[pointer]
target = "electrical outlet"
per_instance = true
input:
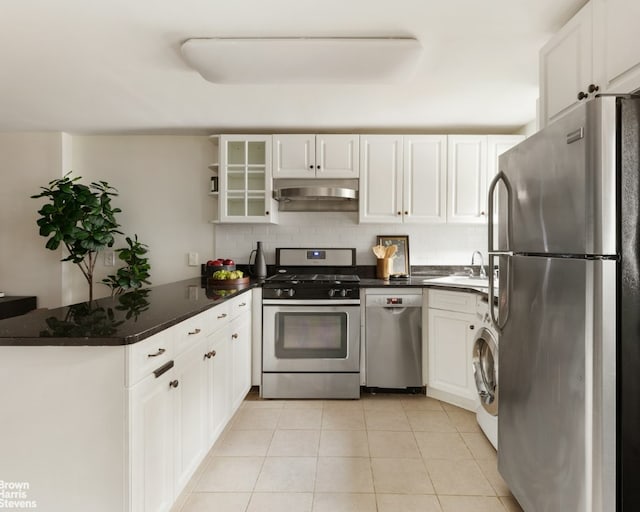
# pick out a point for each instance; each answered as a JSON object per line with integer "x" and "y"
{"x": 193, "y": 259}
{"x": 109, "y": 259}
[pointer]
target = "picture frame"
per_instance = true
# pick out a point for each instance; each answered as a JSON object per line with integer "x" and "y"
{"x": 401, "y": 263}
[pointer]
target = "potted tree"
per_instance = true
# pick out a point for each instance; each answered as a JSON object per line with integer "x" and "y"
{"x": 135, "y": 273}
{"x": 80, "y": 218}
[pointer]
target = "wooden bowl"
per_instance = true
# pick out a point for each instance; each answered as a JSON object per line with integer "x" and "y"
{"x": 228, "y": 283}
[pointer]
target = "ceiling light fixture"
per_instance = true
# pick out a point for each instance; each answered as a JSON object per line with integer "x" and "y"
{"x": 303, "y": 60}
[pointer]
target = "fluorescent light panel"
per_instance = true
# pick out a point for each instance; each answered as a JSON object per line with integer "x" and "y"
{"x": 303, "y": 60}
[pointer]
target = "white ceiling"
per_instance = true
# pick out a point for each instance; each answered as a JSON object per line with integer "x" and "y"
{"x": 114, "y": 66}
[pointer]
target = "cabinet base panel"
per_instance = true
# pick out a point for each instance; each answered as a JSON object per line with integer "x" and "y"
{"x": 450, "y": 398}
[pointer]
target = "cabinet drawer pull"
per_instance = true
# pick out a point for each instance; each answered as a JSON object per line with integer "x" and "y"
{"x": 195, "y": 331}
{"x": 213, "y": 353}
{"x": 242, "y": 305}
{"x": 209, "y": 355}
{"x": 234, "y": 336}
{"x": 223, "y": 315}
{"x": 174, "y": 383}
{"x": 163, "y": 369}
{"x": 158, "y": 353}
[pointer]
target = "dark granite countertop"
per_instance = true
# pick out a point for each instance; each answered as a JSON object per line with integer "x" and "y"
{"x": 120, "y": 320}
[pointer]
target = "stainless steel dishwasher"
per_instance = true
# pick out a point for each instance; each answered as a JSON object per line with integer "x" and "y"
{"x": 393, "y": 337}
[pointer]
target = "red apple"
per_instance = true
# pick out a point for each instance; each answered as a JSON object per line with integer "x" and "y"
{"x": 210, "y": 263}
{"x": 217, "y": 263}
{"x": 229, "y": 262}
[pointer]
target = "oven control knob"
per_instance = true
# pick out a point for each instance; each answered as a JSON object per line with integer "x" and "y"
{"x": 343, "y": 293}
{"x": 332, "y": 292}
{"x": 278, "y": 292}
{"x": 291, "y": 292}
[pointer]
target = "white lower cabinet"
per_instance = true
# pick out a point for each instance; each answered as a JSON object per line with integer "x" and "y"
{"x": 219, "y": 373}
{"x": 451, "y": 333}
{"x": 240, "y": 333}
{"x": 151, "y": 434}
{"x": 178, "y": 415}
{"x": 189, "y": 412}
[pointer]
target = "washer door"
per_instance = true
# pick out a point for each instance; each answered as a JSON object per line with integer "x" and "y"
{"x": 485, "y": 369}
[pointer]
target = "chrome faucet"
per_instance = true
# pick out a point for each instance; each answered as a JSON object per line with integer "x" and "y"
{"x": 483, "y": 273}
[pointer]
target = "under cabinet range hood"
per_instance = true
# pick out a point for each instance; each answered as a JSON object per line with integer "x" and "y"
{"x": 316, "y": 195}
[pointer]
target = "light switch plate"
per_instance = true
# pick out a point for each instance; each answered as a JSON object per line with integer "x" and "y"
{"x": 109, "y": 259}
{"x": 193, "y": 259}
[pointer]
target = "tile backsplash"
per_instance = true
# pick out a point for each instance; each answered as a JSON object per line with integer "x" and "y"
{"x": 446, "y": 244}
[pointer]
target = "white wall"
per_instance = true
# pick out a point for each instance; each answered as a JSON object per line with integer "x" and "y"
{"x": 28, "y": 161}
{"x": 428, "y": 244}
{"x": 163, "y": 183}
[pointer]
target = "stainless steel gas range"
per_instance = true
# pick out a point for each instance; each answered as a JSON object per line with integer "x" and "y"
{"x": 311, "y": 325}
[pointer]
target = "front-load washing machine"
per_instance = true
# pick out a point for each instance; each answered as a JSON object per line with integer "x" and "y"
{"x": 485, "y": 371}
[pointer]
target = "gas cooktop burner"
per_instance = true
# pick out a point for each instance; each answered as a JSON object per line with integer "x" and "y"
{"x": 315, "y": 278}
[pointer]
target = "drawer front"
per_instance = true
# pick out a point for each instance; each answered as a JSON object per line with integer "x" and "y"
{"x": 218, "y": 317}
{"x": 148, "y": 355}
{"x": 461, "y": 302}
{"x": 191, "y": 331}
{"x": 239, "y": 304}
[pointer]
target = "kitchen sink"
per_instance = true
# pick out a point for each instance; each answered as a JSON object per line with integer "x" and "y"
{"x": 461, "y": 281}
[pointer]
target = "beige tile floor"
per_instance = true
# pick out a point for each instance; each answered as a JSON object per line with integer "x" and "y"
{"x": 383, "y": 453}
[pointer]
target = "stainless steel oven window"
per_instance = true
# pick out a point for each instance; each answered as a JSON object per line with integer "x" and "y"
{"x": 311, "y": 335}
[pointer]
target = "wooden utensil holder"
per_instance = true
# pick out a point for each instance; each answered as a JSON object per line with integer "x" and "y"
{"x": 383, "y": 268}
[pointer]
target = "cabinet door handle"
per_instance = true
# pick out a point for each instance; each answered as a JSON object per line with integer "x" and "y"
{"x": 163, "y": 369}
{"x": 318, "y": 167}
{"x": 399, "y": 213}
{"x": 242, "y": 305}
{"x": 213, "y": 353}
{"x": 311, "y": 166}
{"x": 481, "y": 214}
{"x": 158, "y": 353}
{"x": 267, "y": 212}
{"x": 593, "y": 88}
{"x": 223, "y": 315}
{"x": 472, "y": 327}
{"x": 174, "y": 383}
{"x": 406, "y": 213}
{"x": 234, "y": 336}
{"x": 582, "y": 95}
{"x": 195, "y": 331}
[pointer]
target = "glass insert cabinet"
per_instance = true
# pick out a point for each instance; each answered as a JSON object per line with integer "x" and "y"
{"x": 245, "y": 179}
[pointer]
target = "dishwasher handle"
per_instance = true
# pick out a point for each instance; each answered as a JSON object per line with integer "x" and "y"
{"x": 393, "y": 301}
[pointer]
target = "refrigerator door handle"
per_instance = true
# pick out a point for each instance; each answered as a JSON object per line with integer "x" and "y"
{"x": 490, "y": 207}
{"x": 497, "y": 324}
{"x": 500, "y": 176}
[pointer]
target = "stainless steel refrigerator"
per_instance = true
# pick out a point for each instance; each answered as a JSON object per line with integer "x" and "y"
{"x": 565, "y": 238}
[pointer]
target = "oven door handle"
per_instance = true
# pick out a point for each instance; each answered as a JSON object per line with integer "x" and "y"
{"x": 310, "y": 302}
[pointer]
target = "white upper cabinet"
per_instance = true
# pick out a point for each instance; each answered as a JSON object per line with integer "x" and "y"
{"x": 467, "y": 178}
{"x": 616, "y": 45}
{"x": 496, "y": 145}
{"x": 425, "y": 179}
{"x": 381, "y": 179}
{"x": 246, "y": 185}
{"x": 566, "y": 67}
{"x": 315, "y": 156}
{"x": 597, "y": 51}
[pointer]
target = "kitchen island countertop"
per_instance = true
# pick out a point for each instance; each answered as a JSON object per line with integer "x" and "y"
{"x": 120, "y": 320}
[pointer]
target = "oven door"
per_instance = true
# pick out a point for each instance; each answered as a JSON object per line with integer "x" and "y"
{"x": 311, "y": 336}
